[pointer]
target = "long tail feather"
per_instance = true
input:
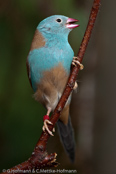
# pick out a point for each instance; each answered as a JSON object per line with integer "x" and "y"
{"x": 67, "y": 138}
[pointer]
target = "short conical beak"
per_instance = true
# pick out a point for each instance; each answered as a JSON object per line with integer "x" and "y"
{"x": 71, "y": 23}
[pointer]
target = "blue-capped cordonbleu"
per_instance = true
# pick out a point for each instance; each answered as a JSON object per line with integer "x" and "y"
{"x": 48, "y": 64}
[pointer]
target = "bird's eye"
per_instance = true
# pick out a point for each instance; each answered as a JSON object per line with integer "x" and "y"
{"x": 59, "y": 20}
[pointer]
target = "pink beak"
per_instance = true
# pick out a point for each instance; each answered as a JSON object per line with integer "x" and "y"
{"x": 71, "y": 23}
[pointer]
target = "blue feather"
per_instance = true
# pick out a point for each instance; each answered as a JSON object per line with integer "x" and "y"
{"x": 46, "y": 58}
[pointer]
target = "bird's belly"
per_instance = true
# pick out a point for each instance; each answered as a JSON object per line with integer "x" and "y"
{"x": 51, "y": 86}
{"x": 46, "y": 60}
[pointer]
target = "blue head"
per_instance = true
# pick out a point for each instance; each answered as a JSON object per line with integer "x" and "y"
{"x": 57, "y": 25}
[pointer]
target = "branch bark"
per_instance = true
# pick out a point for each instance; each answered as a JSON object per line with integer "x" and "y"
{"x": 40, "y": 158}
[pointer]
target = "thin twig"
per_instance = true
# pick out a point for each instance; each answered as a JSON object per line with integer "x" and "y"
{"x": 40, "y": 158}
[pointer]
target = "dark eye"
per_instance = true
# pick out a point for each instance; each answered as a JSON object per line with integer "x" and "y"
{"x": 59, "y": 20}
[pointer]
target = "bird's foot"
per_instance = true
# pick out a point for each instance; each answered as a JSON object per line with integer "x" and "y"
{"x": 75, "y": 62}
{"x": 75, "y": 86}
{"x": 45, "y": 126}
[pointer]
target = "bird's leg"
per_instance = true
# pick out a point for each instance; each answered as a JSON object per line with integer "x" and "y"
{"x": 46, "y": 121}
{"x": 75, "y": 62}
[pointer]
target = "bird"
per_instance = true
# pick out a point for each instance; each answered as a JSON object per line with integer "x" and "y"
{"x": 48, "y": 66}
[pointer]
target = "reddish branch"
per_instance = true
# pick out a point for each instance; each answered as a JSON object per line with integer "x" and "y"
{"x": 40, "y": 158}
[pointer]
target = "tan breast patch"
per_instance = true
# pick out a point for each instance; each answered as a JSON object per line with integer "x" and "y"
{"x": 38, "y": 41}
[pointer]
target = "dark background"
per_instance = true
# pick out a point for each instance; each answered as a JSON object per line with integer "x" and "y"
{"x": 93, "y": 107}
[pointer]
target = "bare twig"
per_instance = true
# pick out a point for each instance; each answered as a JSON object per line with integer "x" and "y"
{"x": 40, "y": 158}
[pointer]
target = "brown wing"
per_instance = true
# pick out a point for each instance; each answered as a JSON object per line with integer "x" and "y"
{"x": 28, "y": 71}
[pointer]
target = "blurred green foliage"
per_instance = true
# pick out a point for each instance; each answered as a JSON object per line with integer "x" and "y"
{"x": 21, "y": 116}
